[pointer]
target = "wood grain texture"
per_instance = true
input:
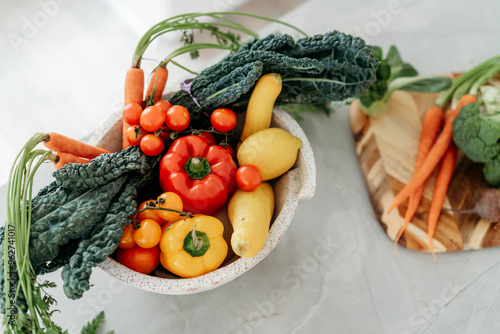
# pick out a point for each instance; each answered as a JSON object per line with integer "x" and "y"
{"x": 387, "y": 148}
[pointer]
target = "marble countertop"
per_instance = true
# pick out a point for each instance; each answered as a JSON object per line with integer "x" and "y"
{"x": 335, "y": 270}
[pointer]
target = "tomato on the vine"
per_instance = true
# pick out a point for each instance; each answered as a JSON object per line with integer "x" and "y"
{"x": 208, "y": 137}
{"x": 231, "y": 151}
{"x": 177, "y": 118}
{"x": 134, "y": 135}
{"x": 223, "y": 119}
{"x": 169, "y": 200}
{"x": 148, "y": 234}
{"x": 152, "y": 118}
{"x": 127, "y": 240}
{"x": 152, "y": 145}
{"x": 132, "y": 113}
{"x": 248, "y": 177}
{"x": 165, "y": 133}
{"x": 147, "y": 214}
{"x": 163, "y": 105}
{"x": 142, "y": 260}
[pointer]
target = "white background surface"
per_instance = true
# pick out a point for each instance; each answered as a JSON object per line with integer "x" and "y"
{"x": 67, "y": 76}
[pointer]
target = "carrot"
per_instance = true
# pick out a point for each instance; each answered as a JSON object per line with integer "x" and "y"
{"x": 157, "y": 83}
{"x": 63, "y": 158}
{"x": 134, "y": 90}
{"x": 443, "y": 179}
{"x": 434, "y": 157}
{"x": 59, "y": 143}
{"x": 466, "y": 99}
{"x": 430, "y": 127}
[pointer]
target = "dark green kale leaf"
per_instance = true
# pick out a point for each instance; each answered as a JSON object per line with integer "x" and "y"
{"x": 78, "y": 219}
{"x": 102, "y": 242}
{"x": 334, "y": 67}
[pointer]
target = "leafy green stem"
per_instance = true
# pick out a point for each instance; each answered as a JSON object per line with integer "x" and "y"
{"x": 189, "y": 22}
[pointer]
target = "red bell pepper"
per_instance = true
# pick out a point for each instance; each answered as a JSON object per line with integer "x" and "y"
{"x": 202, "y": 175}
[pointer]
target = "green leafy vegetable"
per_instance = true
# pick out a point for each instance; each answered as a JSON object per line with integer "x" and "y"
{"x": 75, "y": 222}
{"x": 394, "y": 74}
{"x": 92, "y": 326}
{"x": 476, "y": 132}
{"x": 329, "y": 67}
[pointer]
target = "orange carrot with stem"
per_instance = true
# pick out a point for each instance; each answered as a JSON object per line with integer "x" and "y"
{"x": 432, "y": 160}
{"x": 156, "y": 85}
{"x": 134, "y": 93}
{"x": 59, "y": 143}
{"x": 443, "y": 179}
{"x": 431, "y": 125}
{"x": 63, "y": 158}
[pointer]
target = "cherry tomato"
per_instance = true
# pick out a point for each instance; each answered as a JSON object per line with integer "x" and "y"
{"x": 127, "y": 241}
{"x": 143, "y": 260}
{"x": 169, "y": 200}
{"x": 177, "y": 118}
{"x": 248, "y": 177}
{"x": 148, "y": 234}
{"x": 165, "y": 133}
{"x": 163, "y": 105}
{"x": 148, "y": 214}
{"x": 152, "y": 145}
{"x": 152, "y": 118}
{"x": 231, "y": 151}
{"x": 208, "y": 137}
{"x": 132, "y": 113}
{"x": 134, "y": 135}
{"x": 223, "y": 119}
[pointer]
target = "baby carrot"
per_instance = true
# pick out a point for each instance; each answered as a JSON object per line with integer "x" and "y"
{"x": 431, "y": 124}
{"x": 59, "y": 143}
{"x": 63, "y": 158}
{"x": 157, "y": 83}
{"x": 443, "y": 179}
{"x": 435, "y": 154}
{"x": 134, "y": 90}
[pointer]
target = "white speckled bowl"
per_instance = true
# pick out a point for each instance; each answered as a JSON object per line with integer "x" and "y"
{"x": 298, "y": 184}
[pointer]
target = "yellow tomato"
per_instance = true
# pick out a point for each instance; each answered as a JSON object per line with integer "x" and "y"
{"x": 169, "y": 200}
{"x": 148, "y": 234}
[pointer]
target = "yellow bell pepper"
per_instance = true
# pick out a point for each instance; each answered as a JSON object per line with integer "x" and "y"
{"x": 186, "y": 256}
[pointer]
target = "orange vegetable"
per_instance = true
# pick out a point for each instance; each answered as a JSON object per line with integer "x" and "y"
{"x": 430, "y": 128}
{"x": 59, "y": 143}
{"x": 435, "y": 155}
{"x": 443, "y": 179}
{"x": 63, "y": 158}
{"x": 134, "y": 90}
{"x": 157, "y": 82}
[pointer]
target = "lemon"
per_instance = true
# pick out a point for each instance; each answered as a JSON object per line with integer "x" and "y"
{"x": 273, "y": 150}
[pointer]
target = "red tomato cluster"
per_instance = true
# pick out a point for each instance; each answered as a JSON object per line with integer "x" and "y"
{"x": 138, "y": 248}
{"x": 150, "y": 128}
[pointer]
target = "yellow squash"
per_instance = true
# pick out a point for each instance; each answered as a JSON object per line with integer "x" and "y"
{"x": 273, "y": 150}
{"x": 261, "y": 103}
{"x": 250, "y": 213}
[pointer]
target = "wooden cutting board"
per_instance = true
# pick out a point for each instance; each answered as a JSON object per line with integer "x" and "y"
{"x": 387, "y": 148}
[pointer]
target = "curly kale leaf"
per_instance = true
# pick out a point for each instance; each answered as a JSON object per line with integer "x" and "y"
{"x": 477, "y": 134}
{"x": 79, "y": 218}
{"x": 104, "y": 168}
{"x": 103, "y": 241}
{"x": 334, "y": 66}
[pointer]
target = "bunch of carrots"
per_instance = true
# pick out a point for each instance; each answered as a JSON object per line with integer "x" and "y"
{"x": 68, "y": 150}
{"x": 436, "y": 149}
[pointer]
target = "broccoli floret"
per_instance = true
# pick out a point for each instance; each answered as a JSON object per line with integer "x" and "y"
{"x": 477, "y": 134}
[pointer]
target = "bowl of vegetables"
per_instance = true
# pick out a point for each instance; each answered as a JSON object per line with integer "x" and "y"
{"x": 241, "y": 223}
{"x": 296, "y": 185}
